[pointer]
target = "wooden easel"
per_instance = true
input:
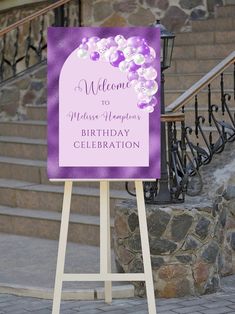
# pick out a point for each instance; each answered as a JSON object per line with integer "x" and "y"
{"x": 105, "y": 249}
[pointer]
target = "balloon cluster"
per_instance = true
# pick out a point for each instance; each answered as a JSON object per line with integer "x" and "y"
{"x": 132, "y": 56}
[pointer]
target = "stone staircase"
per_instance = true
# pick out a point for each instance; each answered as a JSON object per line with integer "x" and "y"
{"x": 195, "y": 54}
{"x": 31, "y": 205}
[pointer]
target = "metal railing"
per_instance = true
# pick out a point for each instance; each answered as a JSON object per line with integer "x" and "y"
{"x": 24, "y": 43}
{"x": 209, "y": 109}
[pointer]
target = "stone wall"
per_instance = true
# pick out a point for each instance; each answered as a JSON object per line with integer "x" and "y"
{"x": 174, "y": 14}
{"x": 191, "y": 245}
{"x": 29, "y": 89}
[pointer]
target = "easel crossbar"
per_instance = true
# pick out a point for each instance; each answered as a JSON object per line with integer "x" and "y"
{"x": 104, "y": 277}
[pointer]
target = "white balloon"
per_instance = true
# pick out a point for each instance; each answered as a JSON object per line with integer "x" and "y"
{"x": 144, "y": 98}
{"x": 129, "y": 53}
{"x": 134, "y": 83}
{"x": 141, "y": 71}
{"x": 92, "y": 46}
{"x": 139, "y": 59}
{"x": 82, "y": 53}
{"x": 152, "y": 91}
{"x": 123, "y": 66}
{"x": 149, "y": 109}
{"x": 119, "y": 38}
{"x": 150, "y": 74}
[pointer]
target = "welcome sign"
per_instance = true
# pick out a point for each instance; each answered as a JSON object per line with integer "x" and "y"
{"x": 103, "y": 103}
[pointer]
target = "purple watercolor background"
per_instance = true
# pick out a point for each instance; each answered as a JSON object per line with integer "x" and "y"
{"x": 61, "y": 43}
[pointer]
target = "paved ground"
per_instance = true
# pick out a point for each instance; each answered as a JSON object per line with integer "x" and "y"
{"x": 219, "y": 303}
{"x": 28, "y": 262}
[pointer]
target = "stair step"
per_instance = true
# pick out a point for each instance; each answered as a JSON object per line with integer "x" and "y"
{"x": 172, "y": 95}
{"x": 187, "y": 66}
{"x": 34, "y": 171}
{"x": 220, "y": 24}
{"x": 198, "y": 52}
{"x": 23, "y": 169}
{"x": 28, "y": 129}
{"x": 22, "y": 194}
{"x": 83, "y": 229}
{"x": 185, "y": 81}
{"x": 37, "y": 112}
{"x": 205, "y": 38}
{"x": 226, "y": 11}
{"x": 23, "y": 147}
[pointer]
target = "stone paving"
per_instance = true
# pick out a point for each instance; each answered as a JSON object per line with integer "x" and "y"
{"x": 220, "y": 303}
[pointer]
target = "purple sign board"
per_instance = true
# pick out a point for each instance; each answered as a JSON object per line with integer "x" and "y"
{"x": 103, "y": 103}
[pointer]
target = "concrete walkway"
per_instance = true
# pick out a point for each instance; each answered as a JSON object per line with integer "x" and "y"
{"x": 27, "y": 268}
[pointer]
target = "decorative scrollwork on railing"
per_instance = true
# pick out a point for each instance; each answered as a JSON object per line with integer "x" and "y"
{"x": 193, "y": 144}
{"x": 24, "y": 44}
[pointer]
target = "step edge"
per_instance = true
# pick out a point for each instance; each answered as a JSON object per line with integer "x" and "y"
{"x": 49, "y": 215}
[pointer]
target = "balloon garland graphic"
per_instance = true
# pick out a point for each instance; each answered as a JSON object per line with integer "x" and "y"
{"x": 132, "y": 56}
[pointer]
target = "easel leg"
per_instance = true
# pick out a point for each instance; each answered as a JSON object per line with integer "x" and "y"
{"x": 62, "y": 246}
{"x": 145, "y": 247}
{"x": 105, "y": 238}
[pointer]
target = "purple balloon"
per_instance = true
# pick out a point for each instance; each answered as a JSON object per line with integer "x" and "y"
{"x": 135, "y": 41}
{"x": 83, "y": 46}
{"x": 116, "y": 58}
{"x": 95, "y": 56}
{"x": 142, "y": 105}
{"x": 144, "y": 50}
{"x": 153, "y": 101}
{"x": 133, "y": 66}
{"x": 132, "y": 76}
{"x": 149, "y": 84}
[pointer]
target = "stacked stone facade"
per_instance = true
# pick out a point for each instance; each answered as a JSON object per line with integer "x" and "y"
{"x": 176, "y": 15}
{"x": 191, "y": 245}
{"x": 29, "y": 89}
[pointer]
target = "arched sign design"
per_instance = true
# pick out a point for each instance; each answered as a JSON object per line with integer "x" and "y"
{"x": 103, "y": 103}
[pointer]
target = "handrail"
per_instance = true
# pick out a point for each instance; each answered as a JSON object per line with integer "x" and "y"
{"x": 33, "y": 16}
{"x": 173, "y": 117}
{"x": 204, "y": 81}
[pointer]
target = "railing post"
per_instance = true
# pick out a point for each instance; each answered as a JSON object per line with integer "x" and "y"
{"x": 59, "y": 16}
{"x": 164, "y": 195}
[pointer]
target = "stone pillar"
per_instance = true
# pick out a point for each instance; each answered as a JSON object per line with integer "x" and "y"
{"x": 186, "y": 243}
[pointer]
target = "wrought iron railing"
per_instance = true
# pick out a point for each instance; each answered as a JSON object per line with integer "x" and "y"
{"x": 24, "y": 43}
{"x": 209, "y": 110}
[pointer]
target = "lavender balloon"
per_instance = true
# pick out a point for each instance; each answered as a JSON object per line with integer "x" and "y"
{"x": 153, "y": 101}
{"x": 149, "y": 59}
{"x": 94, "y": 39}
{"x": 132, "y": 76}
{"x": 135, "y": 41}
{"x": 85, "y": 40}
{"x": 149, "y": 84}
{"x": 83, "y": 46}
{"x": 116, "y": 58}
{"x": 111, "y": 42}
